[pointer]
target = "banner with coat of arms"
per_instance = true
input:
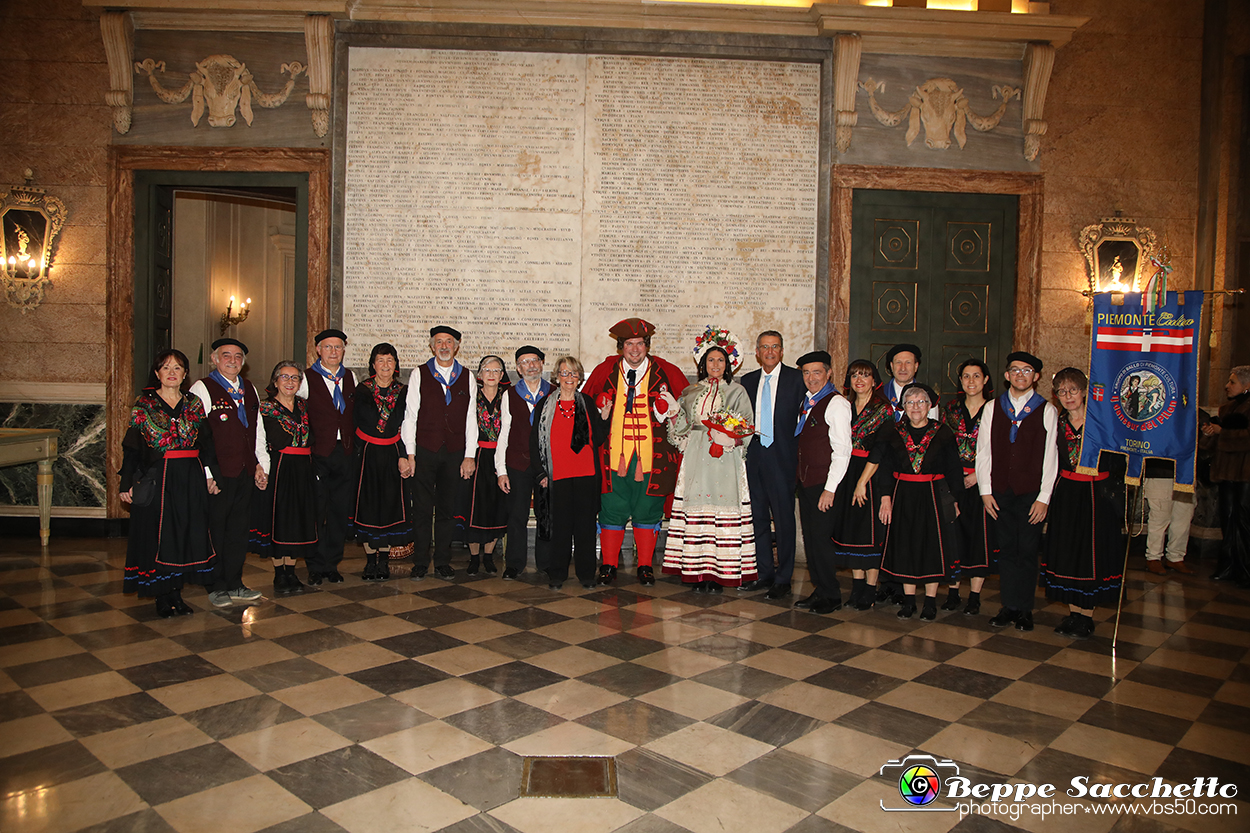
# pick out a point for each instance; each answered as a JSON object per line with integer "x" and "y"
{"x": 1143, "y": 384}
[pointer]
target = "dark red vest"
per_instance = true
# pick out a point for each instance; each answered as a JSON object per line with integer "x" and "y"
{"x": 324, "y": 420}
{"x": 234, "y": 444}
{"x": 518, "y": 456}
{"x": 438, "y": 423}
{"x": 1017, "y": 467}
{"x": 815, "y": 453}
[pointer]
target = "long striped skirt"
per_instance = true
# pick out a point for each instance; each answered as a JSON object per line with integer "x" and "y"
{"x": 710, "y": 535}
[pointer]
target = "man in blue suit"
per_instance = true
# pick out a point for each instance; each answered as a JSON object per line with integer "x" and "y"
{"x": 777, "y": 393}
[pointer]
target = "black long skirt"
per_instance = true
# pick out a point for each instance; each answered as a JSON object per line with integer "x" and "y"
{"x": 979, "y": 553}
{"x": 381, "y": 517}
{"x": 858, "y": 534}
{"x": 488, "y": 507}
{"x": 169, "y": 541}
{"x": 922, "y": 541}
{"x": 1083, "y": 554}
{"x": 284, "y": 515}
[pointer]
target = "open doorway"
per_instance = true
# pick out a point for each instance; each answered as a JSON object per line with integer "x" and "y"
{"x": 203, "y": 237}
{"x": 234, "y": 275}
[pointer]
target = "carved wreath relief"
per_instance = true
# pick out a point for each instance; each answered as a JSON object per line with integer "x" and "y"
{"x": 223, "y": 85}
{"x": 939, "y": 105}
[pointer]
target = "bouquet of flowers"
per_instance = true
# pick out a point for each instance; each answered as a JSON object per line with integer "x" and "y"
{"x": 726, "y": 428}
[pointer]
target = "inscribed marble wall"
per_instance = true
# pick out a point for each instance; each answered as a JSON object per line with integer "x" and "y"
{"x": 532, "y": 197}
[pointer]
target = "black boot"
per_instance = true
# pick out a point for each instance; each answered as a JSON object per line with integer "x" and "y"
{"x": 868, "y": 597}
{"x": 974, "y": 604}
{"x": 180, "y": 607}
{"x": 293, "y": 585}
{"x": 371, "y": 566}
{"x": 474, "y": 561}
{"x": 952, "y": 599}
{"x": 488, "y": 563}
{"x": 383, "y": 571}
{"x": 165, "y": 607}
{"x": 929, "y": 611}
{"x": 279, "y": 580}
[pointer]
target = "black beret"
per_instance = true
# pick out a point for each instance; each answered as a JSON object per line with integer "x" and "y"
{"x": 930, "y": 392}
{"x": 330, "y": 333}
{"x": 1027, "y": 358}
{"x": 448, "y": 330}
{"x": 821, "y": 356}
{"x": 902, "y": 348}
{"x": 222, "y": 342}
{"x": 529, "y": 348}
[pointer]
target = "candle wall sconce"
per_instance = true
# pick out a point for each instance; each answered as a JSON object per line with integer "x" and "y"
{"x": 31, "y": 221}
{"x": 231, "y": 317}
{"x": 1117, "y": 251}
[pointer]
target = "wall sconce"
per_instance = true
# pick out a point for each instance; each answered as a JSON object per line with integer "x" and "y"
{"x": 1116, "y": 252}
{"x": 230, "y": 318}
{"x": 31, "y": 221}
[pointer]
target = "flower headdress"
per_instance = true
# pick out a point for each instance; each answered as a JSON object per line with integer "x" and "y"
{"x": 720, "y": 337}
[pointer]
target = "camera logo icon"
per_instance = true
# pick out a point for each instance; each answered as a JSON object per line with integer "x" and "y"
{"x": 919, "y": 779}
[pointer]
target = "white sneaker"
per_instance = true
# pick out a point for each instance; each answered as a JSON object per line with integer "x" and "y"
{"x": 244, "y": 596}
{"x": 220, "y": 598}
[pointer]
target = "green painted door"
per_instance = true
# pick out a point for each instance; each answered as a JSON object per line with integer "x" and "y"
{"x": 937, "y": 271}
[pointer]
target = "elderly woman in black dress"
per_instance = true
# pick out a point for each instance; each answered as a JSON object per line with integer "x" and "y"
{"x": 487, "y": 514}
{"x": 165, "y": 453}
{"x": 284, "y": 509}
{"x": 858, "y": 534}
{"x": 1083, "y": 555}
{"x": 920, "y": 454}
{"x": 564, "y": 454}
{"x": 381, "y": 518}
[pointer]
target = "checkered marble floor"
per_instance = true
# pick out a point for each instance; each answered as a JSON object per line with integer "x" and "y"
{"x": 409, "y": 705}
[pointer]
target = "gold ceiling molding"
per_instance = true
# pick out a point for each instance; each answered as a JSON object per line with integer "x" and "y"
{"x": 883, "y": 30}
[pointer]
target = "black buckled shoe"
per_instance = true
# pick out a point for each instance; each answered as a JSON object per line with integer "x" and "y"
{"x": 646, "y": 576}
{"x": 907, "y": 610}
{"x": 1025, "y": 621}
{"x": 334, "y": 577}
{"x": 607, "y": 574}
{"x": 973, "y": 607}
{"x": 1004, "y": 618}
{"x": 952, "y": 600}
{"x": 314, "y": 579}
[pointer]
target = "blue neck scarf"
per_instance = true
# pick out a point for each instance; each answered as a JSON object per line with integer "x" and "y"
{"x": 1035, "y": 401}
{"x": 456, "y": 370}
{"x": 896, "y": 406}
{"x": 337, "y": 378}
{"x": 523, "y": 390}
{"x": 235, "y": 392}
{"x": 809, "y": 404}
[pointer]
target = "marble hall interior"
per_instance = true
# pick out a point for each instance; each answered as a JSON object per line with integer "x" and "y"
{"x": 854, "y": 174}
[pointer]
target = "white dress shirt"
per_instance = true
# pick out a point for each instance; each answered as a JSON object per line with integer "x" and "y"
{"x": 1050, "y": 454}
{"x": 200, "y": 391}
{"x": 408, "y": 433}
{"x": 505, "y": 428}
{"x": 838, "y": 415}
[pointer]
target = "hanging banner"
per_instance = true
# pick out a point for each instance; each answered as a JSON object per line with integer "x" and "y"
{"x": 1143, "y": 384}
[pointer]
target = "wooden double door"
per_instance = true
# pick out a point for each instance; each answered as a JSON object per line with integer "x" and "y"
{"x": 937, "y": 270}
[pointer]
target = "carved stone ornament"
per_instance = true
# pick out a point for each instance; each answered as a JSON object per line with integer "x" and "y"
{"x": 940, "y": 106}
{"x": 1116, "y": 250}
{"x": 31, "y": 221}
{"x": 222, "y": 84}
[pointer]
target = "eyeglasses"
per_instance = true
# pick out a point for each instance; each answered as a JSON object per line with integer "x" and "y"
{"x": 1021, "y": 371}
{"x": 494, "y": 371}
{"x": 569, "y": 374}
{"x": 287, "y": 377}
{"x": 917, "y": 403}
{"x": 529, "y": 362}
{"x": 768, "y": 348}
{"x": 1068, "y": 392}
{"x": 861, "y": 374}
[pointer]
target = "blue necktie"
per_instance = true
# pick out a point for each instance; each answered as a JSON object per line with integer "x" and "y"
{"x": 766, "y": 413}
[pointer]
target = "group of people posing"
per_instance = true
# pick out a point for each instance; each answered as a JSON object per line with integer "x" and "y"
{"x": 892, "y": 484}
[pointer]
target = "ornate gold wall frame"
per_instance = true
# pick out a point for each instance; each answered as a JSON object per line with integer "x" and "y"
{"x": 31, "y": 221}
{"x": 1116, "y": 252}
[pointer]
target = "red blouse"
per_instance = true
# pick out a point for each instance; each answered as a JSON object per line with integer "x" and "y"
{"x": 564, "y": 462}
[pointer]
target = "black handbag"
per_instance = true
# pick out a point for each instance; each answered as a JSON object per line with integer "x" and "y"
{"x": 144, "y": 490}
{"x": 542, "y": 513}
